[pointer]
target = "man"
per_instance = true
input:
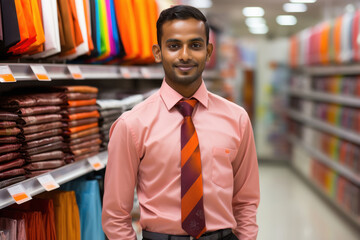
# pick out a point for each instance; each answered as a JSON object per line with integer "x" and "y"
{"x": 190, "y": 154}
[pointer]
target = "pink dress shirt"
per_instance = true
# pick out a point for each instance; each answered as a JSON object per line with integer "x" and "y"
{"x": 144, "y": 152}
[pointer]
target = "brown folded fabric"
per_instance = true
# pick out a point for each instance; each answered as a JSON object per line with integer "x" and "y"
{"x": 75, "y": 103}
{"x": 84, "y": 133}
{"x": 41, "y": 142}
{"x": 7, "y": 124}
{"x": 12, "y": 173}
{"x": 79, "y": 109}
{"x": 41, "y": 127}
{"x": 94, "y": 142}
{"x": 80, "y": 122}
{"x": 45, "y": 156}
{"x": 31, "y": 120}
{"x": 35, "y": 173}
{"x": 9, "y": 139}
{"x": 9, "y": 148}
{"x": 44, "y": 148}
{"x": 80, "y": 96}
{"x": 82, "y": 89}
{"x": 83, "y": 139}
{"x": 8, "y": 116}
{"x": 9, "y": 131}
{"x": 51, "y": 164}
{"x": 12, "y": 164}
{"x": 8, "y": 229}
{"x": 8, "y": 182}
{"x": 83, "y": 151}
{"x": 9, "y": 156}
{"x": 81, "y": 157}
{"x": 83, "y": 115}
{"x": 106, "y": 127}
{"x": 110, "y": 112}
{"x": 42, "y": 99}
{"x": 80, "y": 128}
{"x": 43, "y": 134}
{"x": 30, "y": 111}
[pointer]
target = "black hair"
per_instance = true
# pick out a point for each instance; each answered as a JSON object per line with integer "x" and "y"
{"x": 180, "y": 12}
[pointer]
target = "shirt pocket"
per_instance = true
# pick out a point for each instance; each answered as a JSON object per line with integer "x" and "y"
{"x": 222, "y": 171}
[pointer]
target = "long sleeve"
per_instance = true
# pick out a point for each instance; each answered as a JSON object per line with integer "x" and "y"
{"x": 246, "y": 183}
{"x": 120, "y": 181}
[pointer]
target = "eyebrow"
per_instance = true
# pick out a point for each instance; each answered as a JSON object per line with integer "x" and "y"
{"x": 191, "y": 40}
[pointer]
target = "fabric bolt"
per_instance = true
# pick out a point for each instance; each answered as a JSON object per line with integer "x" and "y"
{"x": 94, "y": 37}
{"x": 115, "y": 31}
{"x": 77, "y": 116}
{"x": 41, "y": 142}
{"x": 151, "y": 129}
{"x": 80, "y": 96}
{"x": 81, "y": 89}
{"x": 106, "y": 127}
{"x": 42, "y": 134}
{"x": 84, "y": 139}
{"x": 45, "y": 148}
{"x": 85, "y": 121}
{"x": 46, "y": 156}
{"x": 337, "y": 38}
{"x": 84, "y": 156}
{"x": 104, "y": 30}
{"x": 20, "y": 219}
{"x": 81, "y": 102}
{"x": 11, "y": 173}
{"x": 37, "y": 46}
{"x": 83, "y": 151}
{"x": 90, "y": 143}
{"x": 84, "y": 133}
{"x": 88, "y": 25}
{"x": 9, "y": 156}
{"x": 79, "y": 109}
{"x": 37, "y": 119}
{"x": 109, "y": 103}
{"x": 324, "y": 43}
{"x": 9, "y": 148}
{"x": 31, "y": 100}
{"x": 12, "y": 164}
{"x": 11, "y": 181}
{"x": 355, "y": 35}
{"x": 66, "y": 26}
{"x": 9, "y": 139}
{"x": 8, "y": 116}
{"x": 10, "y": 24}
{"x": 35, "y": 173}
{"x": 110, "y": 112}
{"x": 41, "y": 127}
{"x": 112, "y": 44}
{"x": 346, "y": 35}
{"x": 29, "y": 111}
{"x": 8, "y": 227}
{"x": 7, "y": 124}
{"x": 50, "y": 164}
{"x": 9, "y": 131}
{"x": 35, "y": 229}
{"x": 89, "y": 203}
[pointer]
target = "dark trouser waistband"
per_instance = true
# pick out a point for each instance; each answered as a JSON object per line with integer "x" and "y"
{"x": 216, "y": 235}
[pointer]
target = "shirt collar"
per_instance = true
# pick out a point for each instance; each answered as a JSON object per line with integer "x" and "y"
{"x": 171, "y": 97}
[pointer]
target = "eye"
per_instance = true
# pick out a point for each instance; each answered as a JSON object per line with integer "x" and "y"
{"x": 173, "y": 46}
{"x": 196, "y": 45}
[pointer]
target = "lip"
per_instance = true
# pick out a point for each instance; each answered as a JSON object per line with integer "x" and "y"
{"x": 185, "y": 67}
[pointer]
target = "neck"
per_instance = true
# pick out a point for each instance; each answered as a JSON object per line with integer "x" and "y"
{"x": 186, "y": 91}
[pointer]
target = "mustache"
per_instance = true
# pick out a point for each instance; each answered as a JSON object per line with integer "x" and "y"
{"x": 192, "y": 63}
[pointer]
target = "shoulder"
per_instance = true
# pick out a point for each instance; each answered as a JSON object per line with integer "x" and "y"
{"x": 225, "y": 105}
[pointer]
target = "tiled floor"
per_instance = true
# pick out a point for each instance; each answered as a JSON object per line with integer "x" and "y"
{"x": 290, "y": 210}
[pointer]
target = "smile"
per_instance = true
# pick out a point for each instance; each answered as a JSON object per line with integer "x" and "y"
{"x": 185, "y": 68}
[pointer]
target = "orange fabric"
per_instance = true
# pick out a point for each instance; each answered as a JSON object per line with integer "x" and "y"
{"x": 294, "y": 51}
{"x": 142, "y": 17}
{"x": 324, "y": 43}
{"x": 37, "y": 46}
{"x": 82, "y": 128}
{"x": 88, "y": 25}
{"x": 154, "y": 14}
{"x": 78, "y": 36}
{"x": 81, "y": 89}
{"x": 84, "y": 133}
{"x": 76, "y": 103}
{"x": 76, "y": 116}
{"x": 337, "y": 39}
{"x": 68, "y": 44}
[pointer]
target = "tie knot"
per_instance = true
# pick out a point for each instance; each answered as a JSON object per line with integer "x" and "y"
{"x": 186, "y": 107}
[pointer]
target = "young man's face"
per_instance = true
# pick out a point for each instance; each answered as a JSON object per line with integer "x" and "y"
{"x": 183, "y": 53}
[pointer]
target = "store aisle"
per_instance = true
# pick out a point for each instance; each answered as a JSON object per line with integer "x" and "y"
{"x": 291, "y": 210}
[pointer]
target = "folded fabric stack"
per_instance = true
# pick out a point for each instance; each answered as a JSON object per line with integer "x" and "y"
{"x": 80, "y": 122}
{"x": 11, "y": 160}
{"x": 40, "y": 130}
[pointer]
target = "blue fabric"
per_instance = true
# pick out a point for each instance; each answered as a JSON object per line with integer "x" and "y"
{"x": 115, "y": 27}
{"x": 89, "y": 203}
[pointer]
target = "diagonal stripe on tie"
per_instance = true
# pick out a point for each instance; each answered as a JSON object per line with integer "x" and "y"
{"x": 189, "y": 148}
{"x": 191, "y": 198}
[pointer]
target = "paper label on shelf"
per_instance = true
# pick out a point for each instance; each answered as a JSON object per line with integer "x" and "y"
{"x": 96, "y": 163}
{"x": 19, "y": 194}
{"x": 40, "y": 72}
{"x": 125, "y": 72}
{"x": 75, "y": 72}
{"x": 145, "y": 72}
{"x": 6, "y": 74}
{"x": 48, "y": 182}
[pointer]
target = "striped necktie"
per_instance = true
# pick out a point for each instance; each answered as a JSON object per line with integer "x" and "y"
{"x": 192, "y": 207}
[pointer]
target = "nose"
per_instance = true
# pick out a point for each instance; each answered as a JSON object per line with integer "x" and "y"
{"x": 185, "y": 54}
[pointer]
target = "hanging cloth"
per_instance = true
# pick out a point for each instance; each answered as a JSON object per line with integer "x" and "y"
{"x": 94, "y": 32}
{"x": 324, "y": 43}
{"x": 40, "y": 36}
{"x": 67, "y": 37}
{"x": 10, "y": 26}
{"x": 346, "y": 35}
{"x": 88, "y": 25}
{"x": 356, "y": 36}
{"x": 337, "y": 38}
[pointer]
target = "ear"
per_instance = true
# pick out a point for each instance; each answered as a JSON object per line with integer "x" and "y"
{"x": 209, "y": 50}
{"x": 157, "y": 53}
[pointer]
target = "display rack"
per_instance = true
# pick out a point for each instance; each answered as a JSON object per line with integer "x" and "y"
{"x": 332, "y": 70}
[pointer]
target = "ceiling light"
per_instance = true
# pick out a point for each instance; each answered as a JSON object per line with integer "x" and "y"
{"x": 200, "y": 3}
{"x": 302, "y": 1}
{"x": 286, "y": 20}
{"x": 259, "y": 30}
{"x": 253, "y": 12}
{"x": 255, "y": 22}
{"x": 294, "y": 7}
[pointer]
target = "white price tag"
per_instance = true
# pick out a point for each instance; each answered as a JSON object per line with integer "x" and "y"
{"x": 145, "y": 72}
{"x": 125, "y": 72}
{"x": 6, "y": 75}
{"x": 48, "y": 182}
{"x": 19, "y": 194}
{"x": 75, "y": 72}
{"x": 40, "y": 72}
{"x": 96, "y": 163}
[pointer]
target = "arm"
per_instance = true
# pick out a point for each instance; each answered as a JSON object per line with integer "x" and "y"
{"x": 246, "y": 183}
{"x": 120, "y": 181}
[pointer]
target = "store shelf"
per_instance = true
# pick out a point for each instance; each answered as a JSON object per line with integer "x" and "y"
{"x": 333, "y": 70}
{"x": 339, "y": 99}
{"x": 61, "y": 175}
{"x": 340, "y": 132}
{"x": 342, "y": 170}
